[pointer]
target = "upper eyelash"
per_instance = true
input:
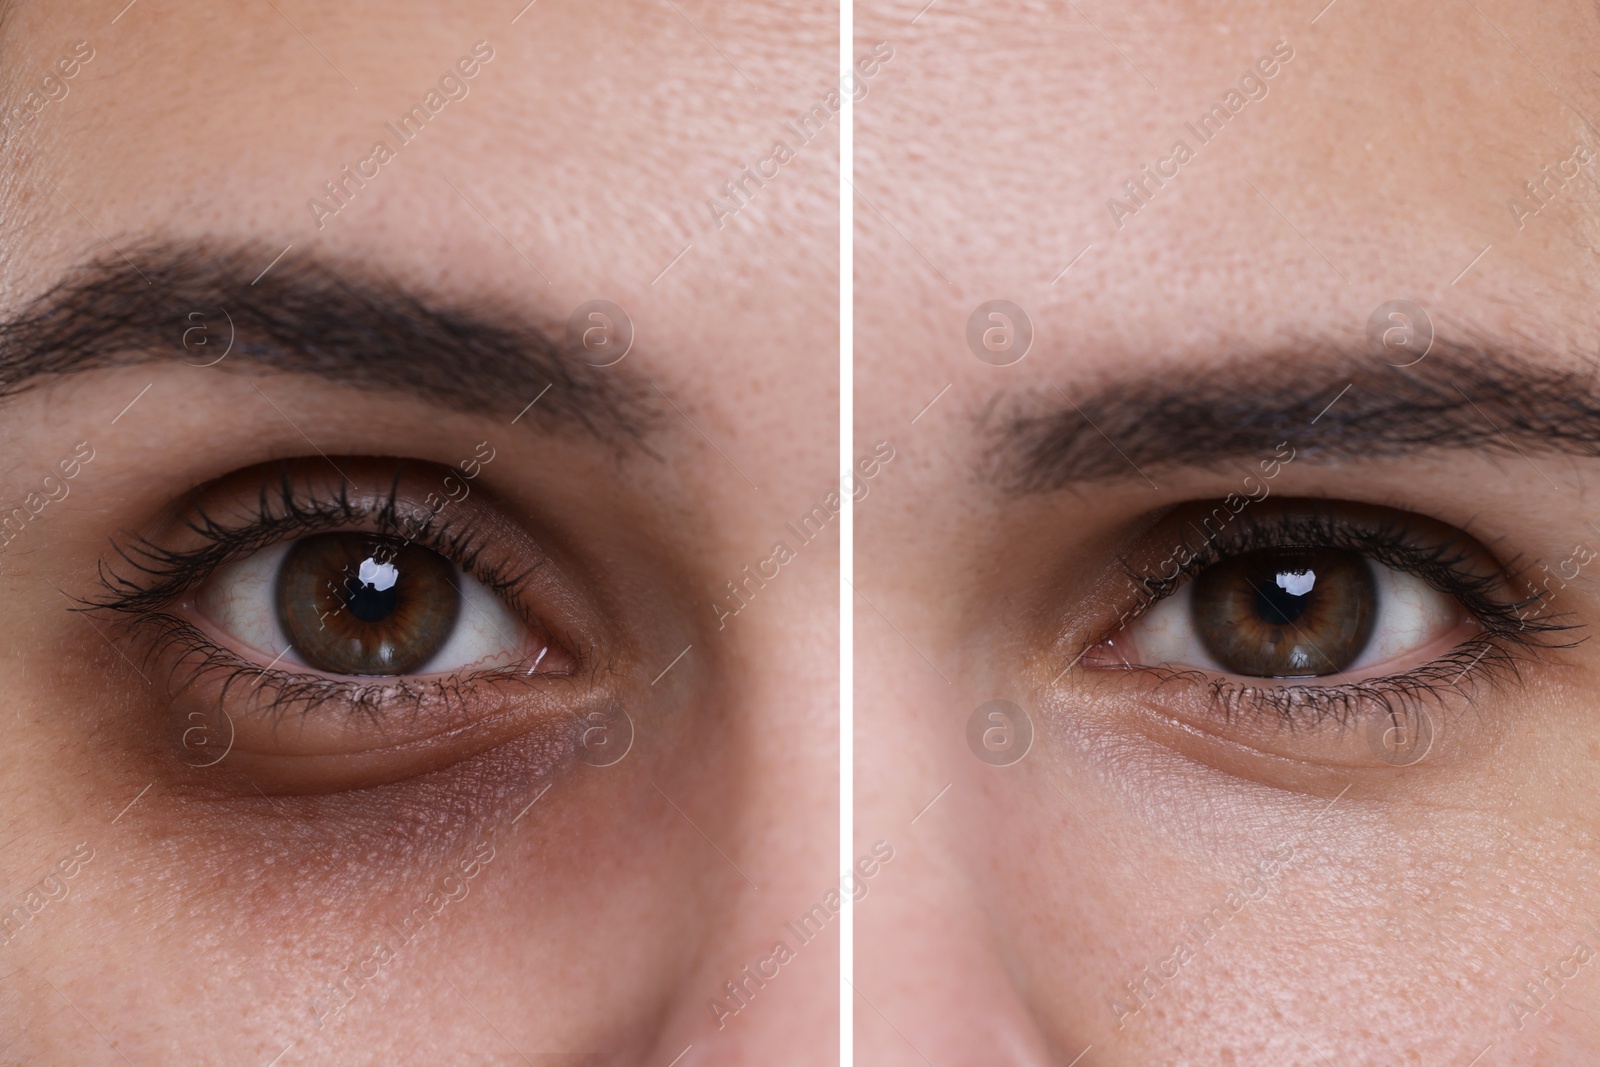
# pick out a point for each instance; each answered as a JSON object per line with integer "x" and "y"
{"x": 162, "y": 574}
{"x": 1493, "y": 652}
{"x": 1392, "y": 543}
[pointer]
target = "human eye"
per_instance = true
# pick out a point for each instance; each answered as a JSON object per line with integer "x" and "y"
{"x": 1292, "y": 616}
{"x": 329, "y": 624}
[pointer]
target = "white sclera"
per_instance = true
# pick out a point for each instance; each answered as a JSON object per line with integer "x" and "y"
{"x": 241, "y": 600}
{"x": 1411, "y": 614}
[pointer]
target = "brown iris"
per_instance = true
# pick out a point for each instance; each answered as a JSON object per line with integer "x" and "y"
{"x": 1286, "y": 612}
{"x": 358, "y": 603}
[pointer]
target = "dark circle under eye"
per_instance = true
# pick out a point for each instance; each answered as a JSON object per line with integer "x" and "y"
{"x": 1286, "y": 612}
{"x": 358, "y": 603}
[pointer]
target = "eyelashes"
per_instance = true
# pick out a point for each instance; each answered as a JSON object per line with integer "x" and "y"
{"x": 147, "y": 581}
{"x": 1508, "y": 629}
{"x": 149, "y": 575}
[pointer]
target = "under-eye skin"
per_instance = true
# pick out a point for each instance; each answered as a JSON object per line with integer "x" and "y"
{"x": 1312, "y": 610}
{"x": 333, "y": 624}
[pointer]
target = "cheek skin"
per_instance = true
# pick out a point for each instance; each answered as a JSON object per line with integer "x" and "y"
{"x": 288, "y": 891}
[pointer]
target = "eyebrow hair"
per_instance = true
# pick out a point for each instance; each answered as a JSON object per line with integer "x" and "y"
{"x": 339, "y": 321}
{"x": 1327, "y": 402}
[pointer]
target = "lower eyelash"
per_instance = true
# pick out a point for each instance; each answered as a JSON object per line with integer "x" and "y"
{"x": 1401, "y": 698}
{"x": 200, "y": 659}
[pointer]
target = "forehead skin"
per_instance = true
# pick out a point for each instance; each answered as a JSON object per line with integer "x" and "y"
{"x": 1391, "y": 142}
{"x": 1381, "y": 160}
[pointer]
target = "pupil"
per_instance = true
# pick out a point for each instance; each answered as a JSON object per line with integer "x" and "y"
{"x": 1285, "y": 600}
{"x": 368, "y": 600}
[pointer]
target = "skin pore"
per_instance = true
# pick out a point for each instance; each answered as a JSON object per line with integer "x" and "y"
{"x": 1168, "y": 876}
{"x": 244, "y": 867}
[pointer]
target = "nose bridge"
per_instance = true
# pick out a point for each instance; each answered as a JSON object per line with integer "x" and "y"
{"x": 767, "y": 994}
{"x": 764, "y": 986}
{"x": 931, "y": 981}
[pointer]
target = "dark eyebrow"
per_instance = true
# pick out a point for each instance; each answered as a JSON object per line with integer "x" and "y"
{"x": 1328, "y": 403}
{"x": 340, "y": 321}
